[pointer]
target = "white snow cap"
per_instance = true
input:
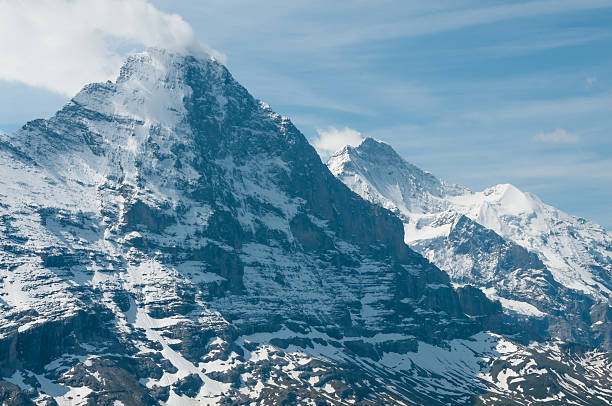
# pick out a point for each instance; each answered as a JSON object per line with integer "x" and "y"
{"x": 511, "y": 199}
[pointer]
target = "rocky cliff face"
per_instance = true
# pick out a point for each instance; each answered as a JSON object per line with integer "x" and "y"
{"x": 507, "y": 243}
{"x": 181, "y": 176}
{"x": 168, "y": 239}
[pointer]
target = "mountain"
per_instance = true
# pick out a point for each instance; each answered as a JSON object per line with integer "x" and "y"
{"x": 168, "y": 239}
{"x": 538, "y": 261}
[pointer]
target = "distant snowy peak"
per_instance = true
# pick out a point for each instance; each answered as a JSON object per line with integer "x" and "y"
{"x": 577, "y": 252}
{"x": 511, "y": 199}
{"x": 375, "y": 171}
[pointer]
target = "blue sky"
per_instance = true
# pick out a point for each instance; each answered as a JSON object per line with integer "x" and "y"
{"x": 478, "y": 93}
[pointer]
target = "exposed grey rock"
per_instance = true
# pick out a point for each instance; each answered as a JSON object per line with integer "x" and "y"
{"x": 188, "y": 386}
{"x": 11, "y": 395}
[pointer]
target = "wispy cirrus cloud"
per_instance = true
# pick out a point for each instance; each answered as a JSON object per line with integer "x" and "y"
{"x": 553, "y": 107}
{"x": 558, "y": 136}
{"x": 446, "y": 16}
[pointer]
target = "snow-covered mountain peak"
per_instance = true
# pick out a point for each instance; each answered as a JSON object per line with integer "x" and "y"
{"x": 164, "y": 111}
{"x": 397, "y": 184}
{"x": 374, "y": 151}
{"x": 510, "y": 199}
{"x": 576, "y": 251}
{"x": 162, "y": 64}
{"x": 153, "y": 86}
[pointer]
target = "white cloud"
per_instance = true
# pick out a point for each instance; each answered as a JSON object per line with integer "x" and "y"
{"x": 332, "y": 139}
{"x": 62, "y": 45}
{"x": 558, "y": 136}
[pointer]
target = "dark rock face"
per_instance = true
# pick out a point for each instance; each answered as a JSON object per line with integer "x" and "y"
{"x": 475, "y": 304}
{"x": 310, "y": 236}
{"x": 484, "y": 241}
{"x": 37, "y": 346}
{"x": 11, "y": 395}
{"x": 109, "y": 383}
{"x": 565, "y": 311}
{"x": 188, "y": 386}
{"x": 601, "y": 324}
{"x": 169, "y": 238}
{"x": 223, "y": 262}
{"x": 140, "y": 216}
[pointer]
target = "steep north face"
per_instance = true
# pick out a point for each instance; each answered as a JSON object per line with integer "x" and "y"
{"x": 168, "y": 239}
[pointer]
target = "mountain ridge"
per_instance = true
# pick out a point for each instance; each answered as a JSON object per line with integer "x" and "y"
{"x": 168, "y": 239}
{"x": 171, "y": 210}
{"x": 495, "y": 239}
{"x": 486, "y": 207}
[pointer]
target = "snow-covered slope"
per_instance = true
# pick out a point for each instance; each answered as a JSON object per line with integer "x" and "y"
{"x": 488, "y": 238}
{"x": 168, "y": 239}
{"x": 577, "y": 252}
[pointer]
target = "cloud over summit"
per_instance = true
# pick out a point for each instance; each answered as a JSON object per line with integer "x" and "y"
{"x": 62, "y": 45}
{"x": 332, "y": 139}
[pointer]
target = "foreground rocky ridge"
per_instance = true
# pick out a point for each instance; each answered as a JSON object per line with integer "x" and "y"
{"x": 168, "y": 239}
